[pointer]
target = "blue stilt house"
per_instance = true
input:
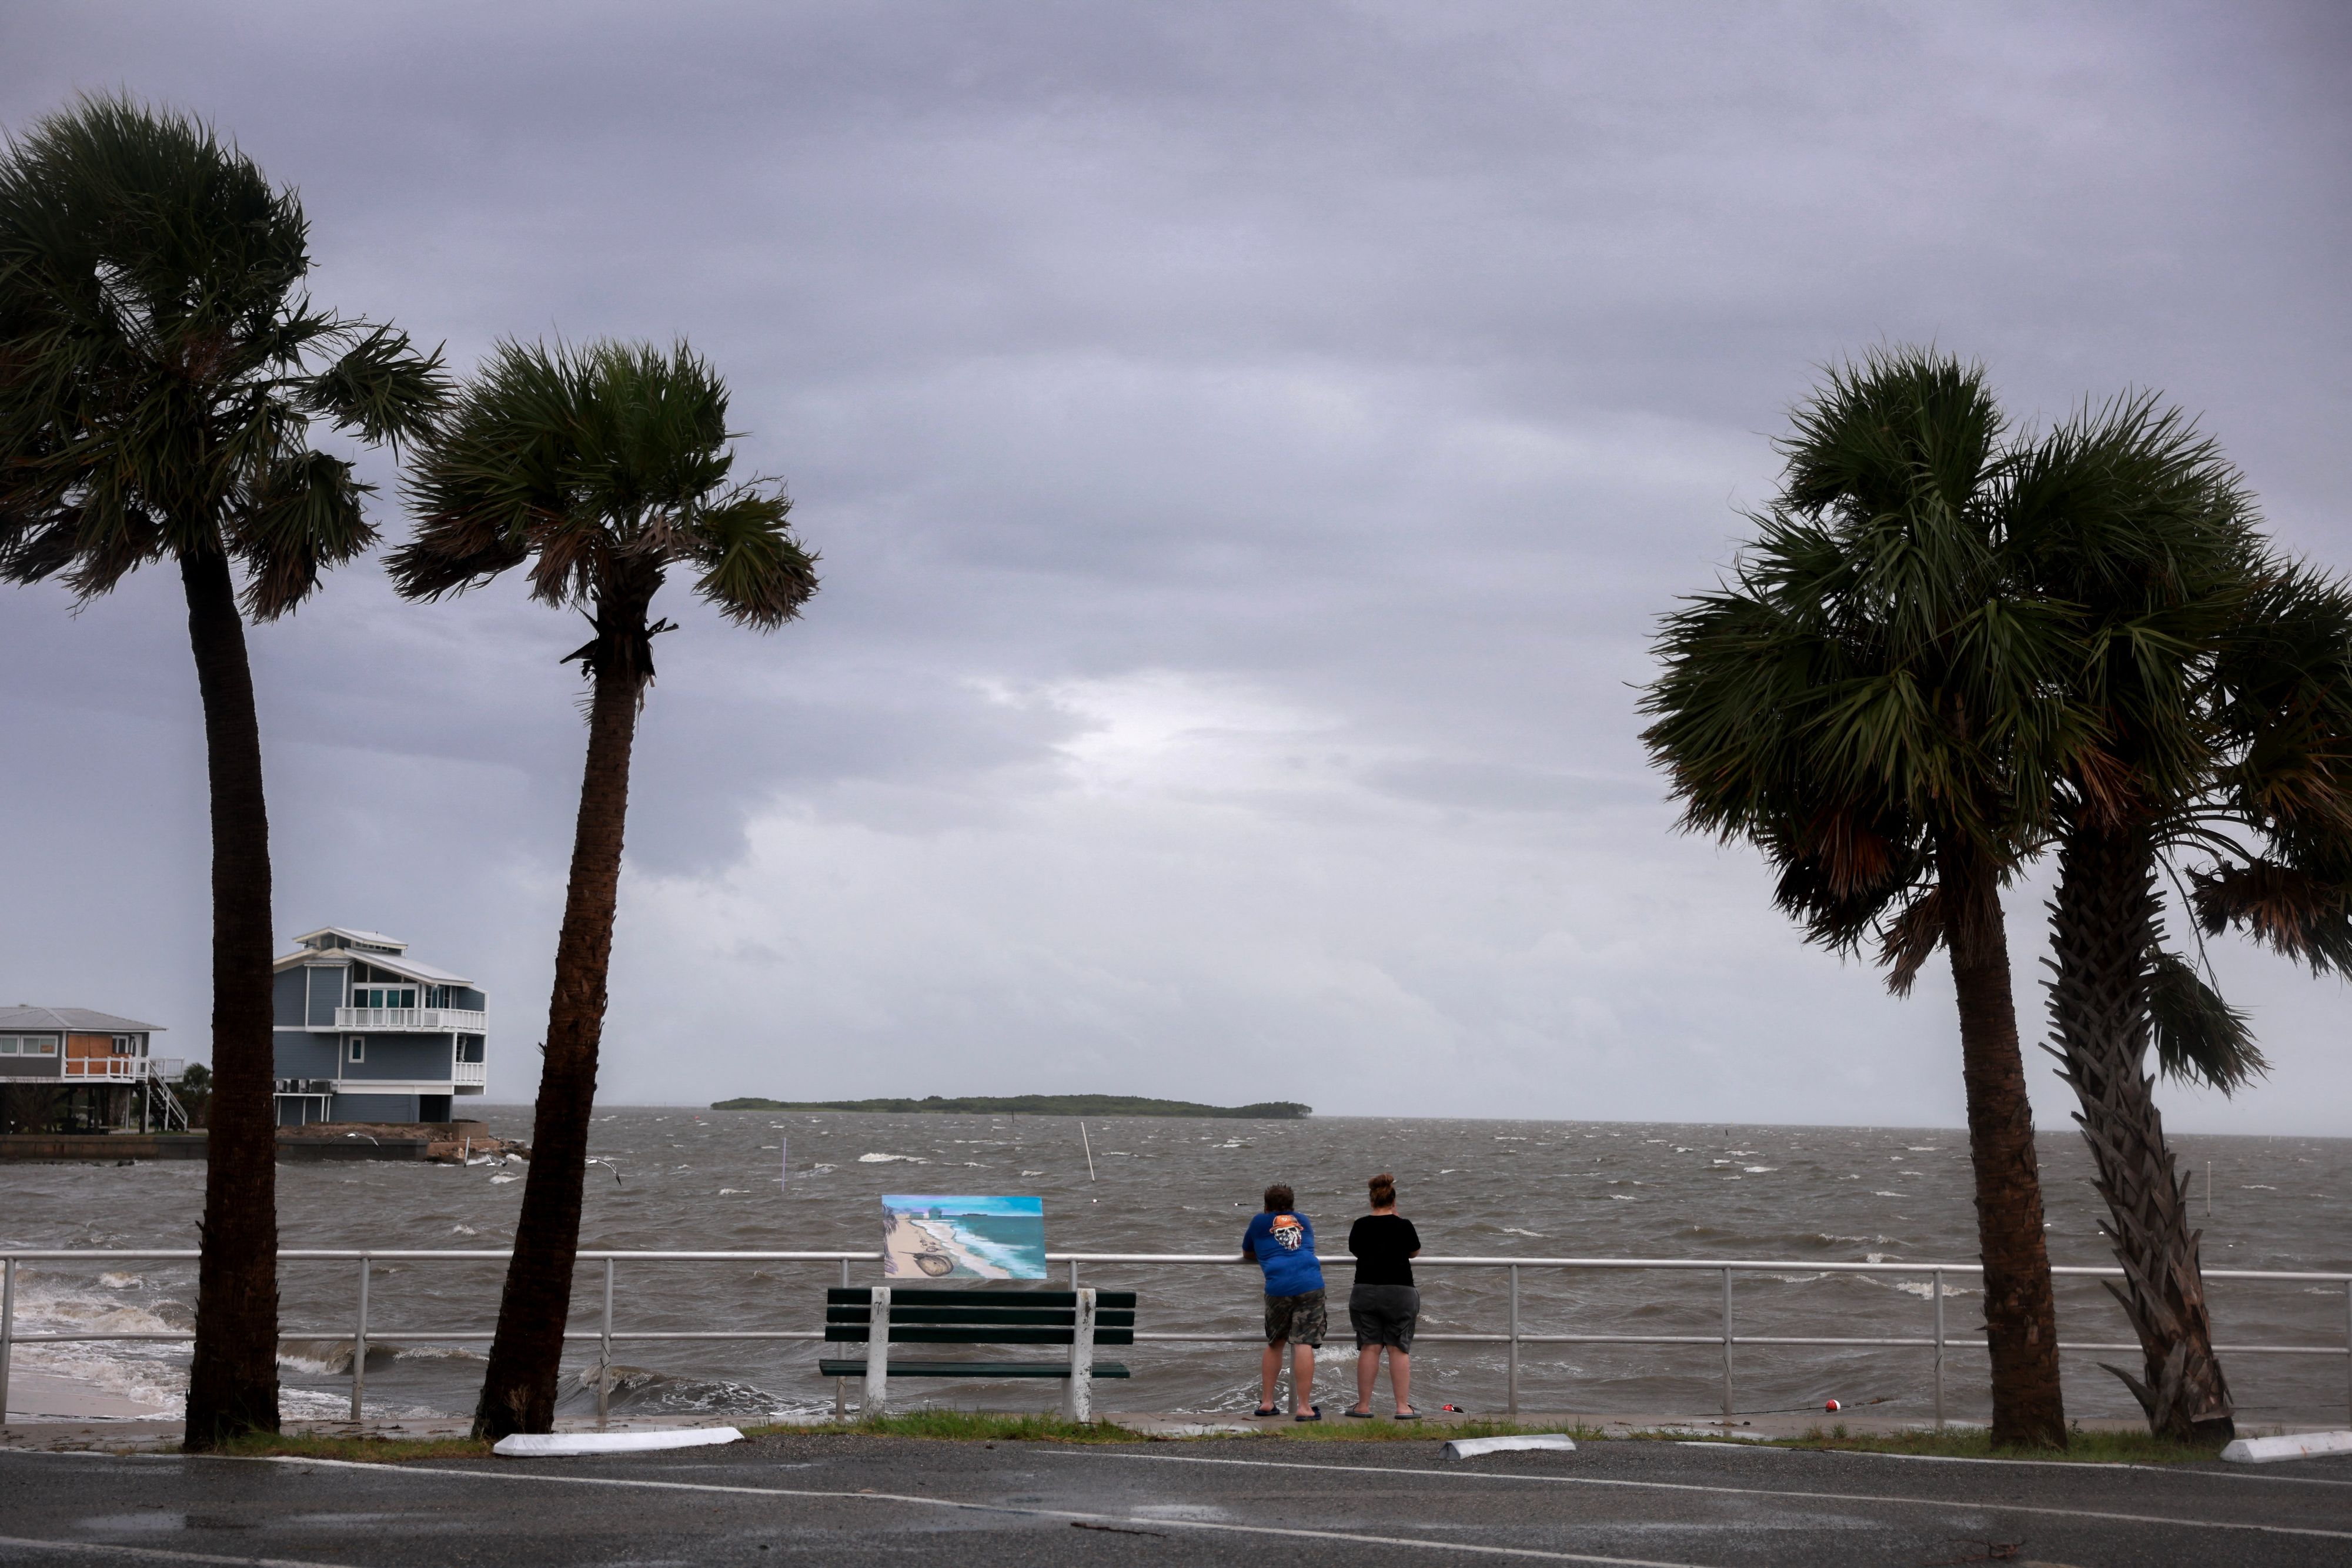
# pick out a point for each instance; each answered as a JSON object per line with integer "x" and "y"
{"x": 366, "y": 1033}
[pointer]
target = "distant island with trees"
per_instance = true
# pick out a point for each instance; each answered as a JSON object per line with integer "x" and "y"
{"x": 1037, "y": 1105}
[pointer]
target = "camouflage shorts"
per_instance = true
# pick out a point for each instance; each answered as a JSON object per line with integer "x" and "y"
{"x": 1300, "y": 1319}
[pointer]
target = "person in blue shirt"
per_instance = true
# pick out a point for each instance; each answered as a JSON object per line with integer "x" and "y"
{"x": 1281, "y": 1242}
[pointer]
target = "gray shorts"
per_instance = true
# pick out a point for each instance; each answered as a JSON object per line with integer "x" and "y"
{"x": 1300, "y": 1319}
{"x": 1384, "y": 1314}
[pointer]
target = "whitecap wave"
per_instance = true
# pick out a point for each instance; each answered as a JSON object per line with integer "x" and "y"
{"x": 641, "y": 1391}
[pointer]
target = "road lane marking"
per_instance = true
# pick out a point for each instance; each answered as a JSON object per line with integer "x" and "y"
{"x": 155, "y": 1554}
{"x": 2094, "y": 1466}
{"x": 1724, "y": 1491}
{"x": 1132, "y": 1521}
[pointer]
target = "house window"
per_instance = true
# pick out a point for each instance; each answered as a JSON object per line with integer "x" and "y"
{"x": 29, "y": 1045}
{"x": 469, "y": 1048}
{"x": 8, "y": 1045}
{"x": 123, "y": 1047}
{"x": 359, "y": 1049}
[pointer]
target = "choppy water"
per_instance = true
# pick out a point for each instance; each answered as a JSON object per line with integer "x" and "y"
{"x": 709, "y": 1180}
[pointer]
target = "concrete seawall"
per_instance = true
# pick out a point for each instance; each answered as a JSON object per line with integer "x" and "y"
{"x": 101, "y": 1146}
{"x": 372, "y": 1141}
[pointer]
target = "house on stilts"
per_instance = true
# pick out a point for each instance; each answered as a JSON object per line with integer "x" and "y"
{"x": 366, "y": 1033}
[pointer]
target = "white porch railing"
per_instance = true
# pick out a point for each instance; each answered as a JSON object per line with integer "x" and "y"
{"x": 122, "y": 1069}
{"x": 425, "y": 1021}
{"x": 474, "y": 1072}
{"x": 1936, "y": 1341}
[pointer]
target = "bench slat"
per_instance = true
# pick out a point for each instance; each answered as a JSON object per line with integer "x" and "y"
{"x": 926, "y": 1333}
{"x": 970, "y": 1369}
{"x": 959, "y": 1316}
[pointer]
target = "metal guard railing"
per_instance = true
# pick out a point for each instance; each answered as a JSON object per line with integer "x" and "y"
{"x": 1513, "y": 1337}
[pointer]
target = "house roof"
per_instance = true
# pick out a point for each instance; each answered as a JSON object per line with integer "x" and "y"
{"x": 80, "y": 1020}
{"x": 399, "y": 964}
{"x": 374, "y": 938}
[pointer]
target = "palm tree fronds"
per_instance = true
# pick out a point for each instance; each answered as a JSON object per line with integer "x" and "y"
{"x": 156, "y": 382}
{"x": 754, "y": 571}
{"x": 1908, "y": 940}
{"x": 2297, "y": 913}
{"x": 306, "y": 518}
{"x": 2199, "y": 1038}
{"x": 380, "y": 388}
{"x": 597, "y": 464}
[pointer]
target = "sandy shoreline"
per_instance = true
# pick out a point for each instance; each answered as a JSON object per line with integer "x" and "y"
{"x": 36, "y": 1395}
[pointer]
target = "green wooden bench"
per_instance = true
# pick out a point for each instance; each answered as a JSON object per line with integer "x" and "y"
{"x": 881, "y": 1317}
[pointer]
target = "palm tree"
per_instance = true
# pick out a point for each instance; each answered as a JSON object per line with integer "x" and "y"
{"x": 160, "y": 371}
{"x": 603, "y": 466}
{"x": 1870, "y": 700}
{"x": 2218, "y": 678}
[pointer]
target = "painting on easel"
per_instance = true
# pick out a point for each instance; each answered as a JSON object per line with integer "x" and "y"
{"x": 926, "y": 1237}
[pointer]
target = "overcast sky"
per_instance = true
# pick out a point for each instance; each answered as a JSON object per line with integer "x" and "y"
{"x": 1249, "y": 446}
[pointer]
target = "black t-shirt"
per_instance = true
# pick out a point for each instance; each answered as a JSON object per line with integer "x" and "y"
{"x": 1383, "y": 1245}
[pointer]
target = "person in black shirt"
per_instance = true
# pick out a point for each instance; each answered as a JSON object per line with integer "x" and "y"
{"x": 1383, "y": 1308}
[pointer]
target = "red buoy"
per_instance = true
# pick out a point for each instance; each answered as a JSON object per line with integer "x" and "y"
{"x": 1833, "y": 1404}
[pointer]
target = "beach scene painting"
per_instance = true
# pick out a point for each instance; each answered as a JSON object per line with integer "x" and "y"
{"x": 931, "y": 1238}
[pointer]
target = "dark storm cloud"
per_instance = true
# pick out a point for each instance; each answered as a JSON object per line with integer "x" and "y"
{"x": 1249, "y": 446}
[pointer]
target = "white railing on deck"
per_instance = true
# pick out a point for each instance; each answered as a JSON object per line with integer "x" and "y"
{"x": 475, "y": 1072}
{"x": 428, "y": 1020}
{"x": 122, "y": 1069}
{"x": 1513, "y": 1336}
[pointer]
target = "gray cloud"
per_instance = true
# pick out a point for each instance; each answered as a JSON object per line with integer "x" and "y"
{"x": 1249, "y": 447}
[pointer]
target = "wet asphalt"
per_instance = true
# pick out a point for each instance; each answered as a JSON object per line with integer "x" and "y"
{"x": 835, "y": 1498}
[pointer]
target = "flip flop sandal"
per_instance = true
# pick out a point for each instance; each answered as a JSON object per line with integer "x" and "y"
{"x": 1315, "y": 1413}
{"x": 1359, "y": 1415}
{"x": 1265, "y": 1413}
{"x": 1408, "y": 1415}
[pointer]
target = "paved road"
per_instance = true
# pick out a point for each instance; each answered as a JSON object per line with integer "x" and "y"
{"x": 833, "y": 1499}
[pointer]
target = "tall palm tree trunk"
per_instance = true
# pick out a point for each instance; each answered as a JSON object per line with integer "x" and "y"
{"x": 2029, "y": 1408}
{"x": 2103, "y": 929}
{"x": 233, "y": 1383}
{"x": 519, "y": 1389}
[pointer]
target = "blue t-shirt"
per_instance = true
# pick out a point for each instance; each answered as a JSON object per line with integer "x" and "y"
{"x": 1284, "y": 1246}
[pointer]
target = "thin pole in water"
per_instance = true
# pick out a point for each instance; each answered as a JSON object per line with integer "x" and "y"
{"x": 1091, "y": 1151}
{"x": 2209, "y": 1189}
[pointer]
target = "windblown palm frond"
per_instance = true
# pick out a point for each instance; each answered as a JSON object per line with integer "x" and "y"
{"x": 591, "y": 461}
{"x": 163, "y": 371}
{"x": 2294, "y": 911}
{"x": 2199, "y": 1038}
